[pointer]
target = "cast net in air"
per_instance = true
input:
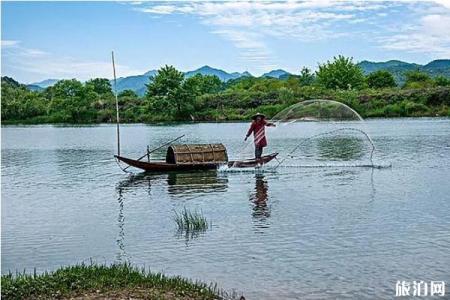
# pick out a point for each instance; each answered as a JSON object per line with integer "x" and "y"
{"x": 318, "y": 133}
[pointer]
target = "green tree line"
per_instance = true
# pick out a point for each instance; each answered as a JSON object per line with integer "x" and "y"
{"x": 172, "y": 97}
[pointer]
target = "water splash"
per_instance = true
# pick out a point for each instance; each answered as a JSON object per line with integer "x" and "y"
{"x": 257, "y": 170}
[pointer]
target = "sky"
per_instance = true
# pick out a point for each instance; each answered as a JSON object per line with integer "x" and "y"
{"x": 41, "y": 40}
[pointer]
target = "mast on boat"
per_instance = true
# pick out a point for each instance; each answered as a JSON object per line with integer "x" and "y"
{"x": 117, "y": 105}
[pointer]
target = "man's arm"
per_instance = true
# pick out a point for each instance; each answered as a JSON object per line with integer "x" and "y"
{"x": 268, "y": 124}
{"x": 250, "y": 130}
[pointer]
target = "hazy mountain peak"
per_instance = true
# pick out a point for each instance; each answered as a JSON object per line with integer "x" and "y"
{"x": 150, "y": 73}
{"x": 275, "y": 73}
{"x": 207, "y": 70}
{"x": 45, "y": 83}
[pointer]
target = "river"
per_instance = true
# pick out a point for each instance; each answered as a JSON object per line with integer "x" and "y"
{"x": 290, "y": 233}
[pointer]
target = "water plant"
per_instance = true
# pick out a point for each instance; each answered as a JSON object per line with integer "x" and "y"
{"x": 191, "y": 221}
{"x": 118, "y": 281}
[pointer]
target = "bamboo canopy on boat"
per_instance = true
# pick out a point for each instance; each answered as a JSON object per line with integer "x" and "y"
{"x": 196, "y": 154}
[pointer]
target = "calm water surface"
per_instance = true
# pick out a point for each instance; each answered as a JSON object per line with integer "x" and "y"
{"x": 309, "y": 233}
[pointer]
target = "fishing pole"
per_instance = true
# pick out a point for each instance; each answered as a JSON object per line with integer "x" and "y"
{"x": 117, "y": 104}
{"x": 153, "y": 150}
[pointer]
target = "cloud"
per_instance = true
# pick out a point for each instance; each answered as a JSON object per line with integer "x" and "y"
{"x": 9, "y": 43}
{"x": 444, "y": 3}
{"x": 429, "y": 36}
{"x": 38, "y": 64}
{"x": 249, "y": 25}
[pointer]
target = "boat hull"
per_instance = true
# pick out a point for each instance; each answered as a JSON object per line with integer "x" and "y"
{"x": 251, "y": 163}
{"x": 162, "y": 166}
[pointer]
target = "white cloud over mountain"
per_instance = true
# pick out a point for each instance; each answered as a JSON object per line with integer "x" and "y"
{"x": 249, "y": 25}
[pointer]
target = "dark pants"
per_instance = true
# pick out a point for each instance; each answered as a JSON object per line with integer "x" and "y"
{"x": 258, "y": 151}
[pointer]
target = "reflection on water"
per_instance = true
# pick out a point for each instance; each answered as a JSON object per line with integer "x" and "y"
{"x": 259, "y": 198}
{"x": 137, "y": 180}
{"x": 121, "y": 254}
{"x": 178, "y": 184}
{"x": 186, "y": 184}
{"x": 189, "y": 236}
{"x": 340, "y": 148}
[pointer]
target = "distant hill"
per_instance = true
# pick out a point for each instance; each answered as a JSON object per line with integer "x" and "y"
{"x": 398, "y": 68}
{"x": 276, "y": 74}
{"x": 134, "y": 83}
{"x": 224, "y": 76}
{"x": 137, "y": 83}
{"x": 45, "y": 83}
{"x": 10, "y": 81}
{"x": 438, "y": 67}
{"x": 35, "y": 88}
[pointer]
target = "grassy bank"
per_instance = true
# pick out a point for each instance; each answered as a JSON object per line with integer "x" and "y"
{"x": 99, "y": 282}
{"x": 206, "y": 98}
{"x": 240, "y": 106}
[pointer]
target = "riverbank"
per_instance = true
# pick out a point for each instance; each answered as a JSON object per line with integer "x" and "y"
{"x": 121, "y": 281}
{"x": 235, "y": 101}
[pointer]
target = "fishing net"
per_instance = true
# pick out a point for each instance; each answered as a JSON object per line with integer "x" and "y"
{"x": 317, "y": 133}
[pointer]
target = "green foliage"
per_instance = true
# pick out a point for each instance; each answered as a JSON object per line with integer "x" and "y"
{"x": 64, "y": 89}
{"x": 127, "y": 93}
{"x": 168, "y": 93}
{"x": 20, "y": 103}
{"x": 442, "y": 81}
{"x": 72, "y": 102}
{"x": 380, "y": 79}
{"x": 165, "y": 82}
{"x": 417, "y": 79}
{"x": 286, "y": 95}
{"x": 203, "y": 84}
{"x": 341, "y": 73}
{"x": 306, "y": 77}
{"x": 101, "y": 86}
{"x": 103, "y": 281}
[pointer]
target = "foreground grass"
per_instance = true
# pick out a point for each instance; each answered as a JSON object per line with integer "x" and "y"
{"x": 120, "y": 281}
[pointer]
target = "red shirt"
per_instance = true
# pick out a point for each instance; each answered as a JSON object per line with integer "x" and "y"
{"x": 259, "y": 133}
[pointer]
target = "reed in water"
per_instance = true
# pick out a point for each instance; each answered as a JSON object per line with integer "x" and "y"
{"x": 191, "y": 221}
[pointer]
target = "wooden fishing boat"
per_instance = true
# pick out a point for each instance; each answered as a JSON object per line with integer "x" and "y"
{"x": 189, "y": 157}
{"x": 162, "y": 166}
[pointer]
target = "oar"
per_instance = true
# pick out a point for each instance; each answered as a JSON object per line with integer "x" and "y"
{"x": 153, "y": 150}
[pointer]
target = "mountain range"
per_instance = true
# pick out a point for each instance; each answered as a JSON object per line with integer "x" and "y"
{"x": 396, "y": 67}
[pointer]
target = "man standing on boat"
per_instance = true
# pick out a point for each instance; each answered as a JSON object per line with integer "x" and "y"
{"x": 259, "y": 134}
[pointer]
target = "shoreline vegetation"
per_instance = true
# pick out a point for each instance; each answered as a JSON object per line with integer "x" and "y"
{"x": 170, "y": 97}
{"x": 92, "y": 281}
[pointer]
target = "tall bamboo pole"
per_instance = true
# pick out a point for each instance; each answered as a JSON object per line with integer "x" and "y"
{"x": 117, "y": 104}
